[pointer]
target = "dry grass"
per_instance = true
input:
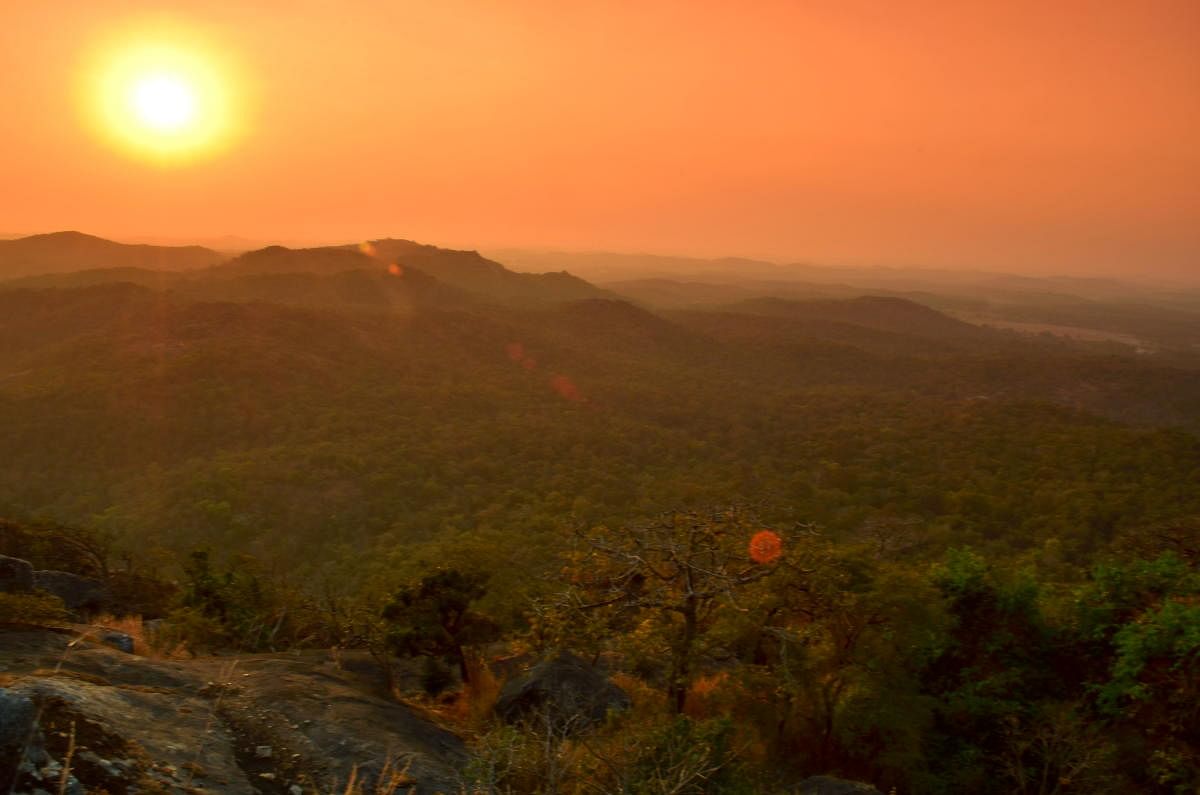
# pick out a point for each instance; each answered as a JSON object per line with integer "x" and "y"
{"x": 391, "y": 779}
{"x": 64, "y": 779}
{"x": 133, "y": 626}
{"x": 707, "y": 696}
{"x": 470, "y": 708}
{"x": 644, "y": 697}
{"x": 145, "y": 643}
{"x": 481, "y": 693}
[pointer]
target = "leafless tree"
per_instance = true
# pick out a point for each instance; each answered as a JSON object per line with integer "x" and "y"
{"x": 682, "y": 567}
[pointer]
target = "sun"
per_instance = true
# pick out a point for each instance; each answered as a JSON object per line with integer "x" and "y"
{"x": 162, "y": 97}
{"x": 165, "y": 103}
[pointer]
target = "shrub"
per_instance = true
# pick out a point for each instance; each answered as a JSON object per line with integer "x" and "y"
{"x": 31, "y": 608}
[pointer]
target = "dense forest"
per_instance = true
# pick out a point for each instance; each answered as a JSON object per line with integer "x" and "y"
{"x": 851, "y": 534}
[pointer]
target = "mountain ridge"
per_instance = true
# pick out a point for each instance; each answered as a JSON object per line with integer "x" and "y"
{"x": 58, "y": 252}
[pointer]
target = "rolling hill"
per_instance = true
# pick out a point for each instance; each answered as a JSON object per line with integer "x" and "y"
{"x": 895, "y": 315}
{"x": 468, "y": 270}
{"x": 464, "y": 271}
{"x": 62, "y": 252}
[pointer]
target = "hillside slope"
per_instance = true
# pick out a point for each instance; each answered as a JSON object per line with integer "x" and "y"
{"x": 470, "y": 271}
{"x": 60, "y": 252}
{"x": 895, "y": 315}
{"x": 283, "y": 430}
{"x": 465, "y": 271}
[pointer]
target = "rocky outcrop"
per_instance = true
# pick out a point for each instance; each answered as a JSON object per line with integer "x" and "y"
{"x": 16, "y": 575}
{"x": 564, "y": 688}
{"x": 319, "y": 725}
{"x": 17, "y": 714}
{"x": 828, "y": 785}
{"x": 125, "y": 739}
{"x": 79, "y": 594}
{"x": 201, "y": 725}
{"x": 118, "y": 640}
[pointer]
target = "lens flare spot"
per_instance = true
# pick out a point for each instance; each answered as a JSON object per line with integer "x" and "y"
{"x": 516, "y": 353}
{"x": 765, "y": 547}
{"x": 566, "y": 388}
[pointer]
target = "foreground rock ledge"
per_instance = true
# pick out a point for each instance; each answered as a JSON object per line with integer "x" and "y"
{"x": 195, "y": 726}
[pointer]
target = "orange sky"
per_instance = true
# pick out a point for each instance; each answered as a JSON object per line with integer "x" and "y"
{"x": 1027, "y": 136}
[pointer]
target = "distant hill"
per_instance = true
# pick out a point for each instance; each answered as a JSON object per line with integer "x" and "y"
{"x": 279, "y": 259}
{"x": 470, "y": 271}
{"x": 387, "y": 274}
{"x": 895, "y": 315}
{"x": 619, "y": 326}
{"x": 144, "y": 277}
{"x": 62, "y": 252}
{"x": 675, "y": 294}
{"x": 464, "y": 270}
{"x": 354, "y": 290}
{"x": 1162, "y": 316}
{"x": 603, "y": 266}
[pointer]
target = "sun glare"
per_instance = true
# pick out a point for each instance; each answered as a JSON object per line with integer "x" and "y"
{"x": 162, "y": 98}
{"x": 164, "y": 102}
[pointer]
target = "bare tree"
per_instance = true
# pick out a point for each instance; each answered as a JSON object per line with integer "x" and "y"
{"x": 681, "y": 569}
{"x": 1057, "y": 753}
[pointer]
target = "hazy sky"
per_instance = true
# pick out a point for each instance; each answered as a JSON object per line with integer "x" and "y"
{"x": 1054, "y": 136}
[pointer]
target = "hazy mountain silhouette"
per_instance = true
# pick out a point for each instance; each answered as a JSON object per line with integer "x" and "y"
{"x": 144, "y": 277}
{"x": 362, "y": 290}
{"x": 895, "y": 315}
{"x": 674, "y": 294}
{"x": 60, "y": 252}
{"x": 280, "y": 259}
{"x": 466, "y": 271}
{"x": 1150, "y": 316}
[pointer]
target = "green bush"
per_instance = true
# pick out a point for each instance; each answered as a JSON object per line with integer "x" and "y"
{"x": 31, "y": 608}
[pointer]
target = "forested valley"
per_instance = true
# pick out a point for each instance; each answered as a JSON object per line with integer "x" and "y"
{"x": 849, "y": 535}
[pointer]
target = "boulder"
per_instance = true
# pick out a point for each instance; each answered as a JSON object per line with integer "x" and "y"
{"x": 829, "y": 785}
{"x": 17, "y": 718}
{"x": 566, "y": 689}
{"x": 144, "y": 725}
{"x": 16, "y": 575}
{"x": 77, "y": 593}
{"x": 117, "y": 640}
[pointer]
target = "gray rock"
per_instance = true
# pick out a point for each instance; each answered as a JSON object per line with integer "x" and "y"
{"x": 118, "y": 640}
{"x": 17, "y": 718}
{"x": 263, "y": 752}
{"x": 121, "y": 702}
{"x": 829, "y": 785}
{"x": 78, "y": 593}
{"x": 16, "y": 575}
{"x": 564, "y": 688}
{"x": 117, "y": 716}
{"x": 110, "y": 769}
